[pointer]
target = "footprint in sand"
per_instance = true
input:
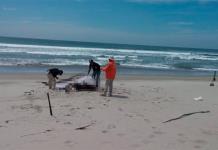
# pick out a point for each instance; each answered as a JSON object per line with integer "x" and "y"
{"x": 89, "y": 108}
{"x": 69, "y": 143}
{"x": 151, "y": 136}
{"x": 38, "y": 108}
{"x": 121, "y": 134}
{"x": 111, "y": 126}
{"x": 105, "y": 105}
{"x": 67, "y": 123}
{"x": 129, "y": 115}
{"x": 134, "y": 146}
{"x": 140, "y": 115}
{"x": 7, "y": 121}
{"x": 156, "y": 90}
{"x": 66, "y": 105}
{"x": 104, "y": 131}
{"x": 31, "y": 92}
{"x": 120, "y": 109}
{"x": 170, "y": 99}
{"x": 158, "y": 132}
{"x": 199, "y": 143}
{"x": 197, "y": 147}
{"x": 146, "y": 141}
{"x": 209, "y": 132}
{"x": 182, "y": 141}
{"x": 147, "y": 120}
{"x": 106, "y": 142}
{"x": 180, "y": 134}
{"x": 73, "y": 109}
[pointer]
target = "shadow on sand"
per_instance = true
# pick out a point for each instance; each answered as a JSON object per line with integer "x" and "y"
{"x": 120, "y": 96}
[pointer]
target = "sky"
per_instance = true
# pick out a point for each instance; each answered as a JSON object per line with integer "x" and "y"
{"x": 182, "y": 23}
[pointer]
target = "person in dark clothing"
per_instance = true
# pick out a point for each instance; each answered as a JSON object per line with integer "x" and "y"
{"x": 52, "y": 76}
{"x": 96, "y": 68}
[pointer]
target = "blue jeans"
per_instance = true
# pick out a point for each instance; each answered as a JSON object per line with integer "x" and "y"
{"x": 96, "y": 76}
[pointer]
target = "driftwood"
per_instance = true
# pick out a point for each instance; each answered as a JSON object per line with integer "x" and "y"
{"x": 49, "y": 103}
{"x": 84, "y": 127}
{"x": 185, "y": 115}
{"x": 37, "y": 133}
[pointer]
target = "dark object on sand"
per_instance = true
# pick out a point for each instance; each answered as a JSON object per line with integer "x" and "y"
{"x": 211, "y": 84}
{"x": 80, "y": 87}
{"x": 49, "y": 104}
{"x": 214, "y": 79}
{"x": 84, "y": 127}
{"x": 214, "y": 76}
{"x": 185, "y": 115}
{"x": 46, "y": 83}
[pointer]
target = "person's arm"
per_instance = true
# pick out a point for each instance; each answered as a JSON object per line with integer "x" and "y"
{"x": 98, "y": 67}
{"x": 55, "y": 73}
{"x": 59, "y": 72}
{"x": 55, "y": 76}
{"x": 105, "y": 68}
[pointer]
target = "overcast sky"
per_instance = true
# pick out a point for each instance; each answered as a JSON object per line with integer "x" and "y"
{"x": 184, "y": 23}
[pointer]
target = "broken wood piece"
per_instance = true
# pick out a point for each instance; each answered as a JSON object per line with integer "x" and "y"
{"x": 37, "y": 133}
{"x": 84, "y": 127}
{"x": 184, "y": 115}
{"x": 49, "y": 103}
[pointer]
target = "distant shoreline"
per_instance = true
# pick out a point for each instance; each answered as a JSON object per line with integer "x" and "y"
{"x": 43, "y": 76}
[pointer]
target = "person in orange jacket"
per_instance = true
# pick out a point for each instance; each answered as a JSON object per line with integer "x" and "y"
{"x": 110, "y": 73}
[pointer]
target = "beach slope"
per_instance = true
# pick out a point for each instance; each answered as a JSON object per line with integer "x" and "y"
{"x": 132, "y": 119}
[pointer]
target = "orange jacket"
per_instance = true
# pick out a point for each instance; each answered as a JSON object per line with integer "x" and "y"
{"x": 110, "y": 69}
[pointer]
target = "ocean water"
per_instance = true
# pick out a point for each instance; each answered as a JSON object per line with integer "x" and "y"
{"x": 35, "y": 55}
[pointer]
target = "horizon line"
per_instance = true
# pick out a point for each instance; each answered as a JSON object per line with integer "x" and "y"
{"x": 95, "y": 42}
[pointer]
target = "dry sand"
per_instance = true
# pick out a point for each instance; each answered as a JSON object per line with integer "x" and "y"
{"x": 130, "y": 120}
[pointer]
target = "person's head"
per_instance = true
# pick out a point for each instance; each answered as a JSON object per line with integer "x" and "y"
{"x": 111, "y": 59}
{"x": 90, "y": 61}
{"x": 60, "y": 72}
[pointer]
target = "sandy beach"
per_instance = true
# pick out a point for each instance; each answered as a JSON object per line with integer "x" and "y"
{"x": 133, "y": 119}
